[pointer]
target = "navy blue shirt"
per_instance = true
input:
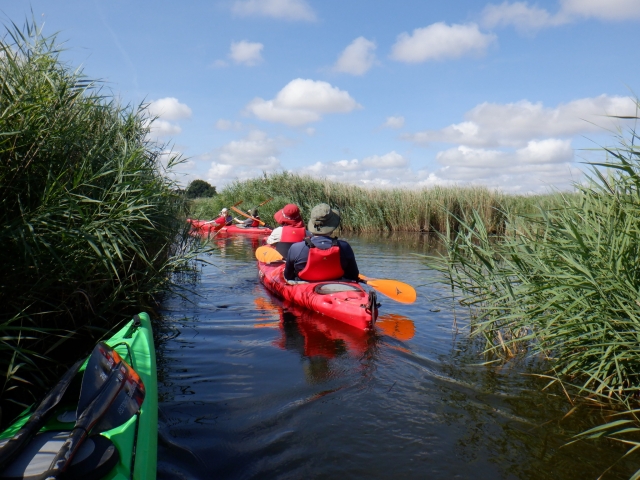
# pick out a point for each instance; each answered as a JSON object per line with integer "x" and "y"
{"x": 299, "y": 253}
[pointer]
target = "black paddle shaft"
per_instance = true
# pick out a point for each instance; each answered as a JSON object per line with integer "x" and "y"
{"x": 89, "y": 417}
{"x": 118, "y": 398}
{"x": 10, "y": 450}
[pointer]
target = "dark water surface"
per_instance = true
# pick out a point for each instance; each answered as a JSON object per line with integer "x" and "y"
{"x": 251, "y": 390}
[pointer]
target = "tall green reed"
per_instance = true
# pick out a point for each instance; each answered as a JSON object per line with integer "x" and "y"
{"x": 564, "y": 285}
{"x": 370, "y": 210}
{"x": 90, "y": 226}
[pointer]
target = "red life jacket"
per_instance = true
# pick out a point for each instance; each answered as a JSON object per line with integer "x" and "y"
{"x": 289, "y": 236}
{"x": 322, "y": 264}
{"x": 292, "y": 235}
{"x": 223, "y": 220}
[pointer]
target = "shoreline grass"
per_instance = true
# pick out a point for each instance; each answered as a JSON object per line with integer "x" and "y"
{"x": 373, "y": 210}
{"x": 91, "y": 227}
{"x": 564, "y": 285}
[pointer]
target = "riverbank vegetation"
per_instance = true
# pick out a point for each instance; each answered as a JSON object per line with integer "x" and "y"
{"x": 90, "y": 224}
{"x": 564, "y": 285}
{"x": 374, "y": 210}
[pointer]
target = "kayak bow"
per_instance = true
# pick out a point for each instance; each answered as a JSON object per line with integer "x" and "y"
{"x": 125, "y": 451}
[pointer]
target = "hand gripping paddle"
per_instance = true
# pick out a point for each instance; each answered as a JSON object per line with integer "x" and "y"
{"x": 111, "y": 393}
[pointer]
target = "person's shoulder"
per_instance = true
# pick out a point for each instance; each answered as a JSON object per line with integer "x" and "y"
{"x": 296, "y": 248}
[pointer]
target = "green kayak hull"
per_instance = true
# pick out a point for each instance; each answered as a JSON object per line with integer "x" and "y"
{"x": 137, "y": 439}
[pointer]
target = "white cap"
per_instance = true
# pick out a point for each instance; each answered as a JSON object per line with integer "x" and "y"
{"x": 224, "y": 210}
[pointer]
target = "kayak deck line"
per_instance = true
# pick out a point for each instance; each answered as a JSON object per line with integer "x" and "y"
{"x": 123, "y": 452}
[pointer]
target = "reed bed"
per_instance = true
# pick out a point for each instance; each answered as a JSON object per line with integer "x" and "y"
{"x": 564, "y": 285}
{"x": 90, "y": 226}
{"x": 372, "y": 210}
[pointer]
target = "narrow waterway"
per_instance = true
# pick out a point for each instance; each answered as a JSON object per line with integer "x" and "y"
{"x": 252, "y": 389}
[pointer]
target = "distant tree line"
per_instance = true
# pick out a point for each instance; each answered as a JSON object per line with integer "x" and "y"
{"x": 200, "y": 189}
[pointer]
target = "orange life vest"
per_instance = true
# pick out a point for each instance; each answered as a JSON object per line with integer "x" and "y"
{"x": 322, "y": 264}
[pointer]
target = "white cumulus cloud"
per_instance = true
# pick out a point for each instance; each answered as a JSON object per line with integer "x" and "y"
{"x": 256, "y": 150}
{"x": 163, "y": 110}
{"x": 514, "y": 124}
{"x": 280, "y": 9}
{"x": 440, "y": 41}
{"x": 303, "y": 101}
{"x": 390, "y": 170}
{"x": 602, "y": 9}
{"x": 530, "y": 18}
{"x": 388, "y": 160}
{"x": 523, "y": 17}
{"x": 539, "y": 166}
{"x": 169, "y": 108}
{"x": 357, "y": 58}
{"x": 246, "y": 53}
{"x": 537, "y": 152}
{"x": 162, "y": 128}
{"x": 244, "y": 158}
{"x": 394, "y": 122}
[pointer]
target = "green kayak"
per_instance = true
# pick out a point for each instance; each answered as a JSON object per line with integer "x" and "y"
{"x": 127, "y": 451}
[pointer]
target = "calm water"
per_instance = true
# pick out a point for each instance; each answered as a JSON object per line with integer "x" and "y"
{"x": 251, "y": 389}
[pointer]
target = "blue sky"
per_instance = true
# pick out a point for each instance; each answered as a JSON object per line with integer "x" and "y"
{"x": 375, "y": 93}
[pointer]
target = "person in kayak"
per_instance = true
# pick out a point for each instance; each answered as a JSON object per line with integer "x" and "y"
{"x": 249, "y": 222}
{"x": 321, "y": 257}
{"x": 224, "y": 219}
{"x": 291, "y": 231}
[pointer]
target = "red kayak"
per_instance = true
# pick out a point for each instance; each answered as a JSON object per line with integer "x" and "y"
{"x": 203, "y": 227}
{"x": 346, "y": 301}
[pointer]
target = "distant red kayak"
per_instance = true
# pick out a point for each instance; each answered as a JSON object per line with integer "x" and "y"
{"x": 346, "y": 301}
{"x": 203, "y": 227}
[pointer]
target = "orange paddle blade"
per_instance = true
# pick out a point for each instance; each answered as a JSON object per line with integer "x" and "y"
{"x": 398, "y": 291}
{"x": 267, "y": 254}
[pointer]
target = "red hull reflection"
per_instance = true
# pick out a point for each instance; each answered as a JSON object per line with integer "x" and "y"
{"x": 314, "y": 334}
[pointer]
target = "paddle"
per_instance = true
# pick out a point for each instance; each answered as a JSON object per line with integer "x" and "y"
{"x": 398, "y": 291}
{"x": 22, "y": 437}
{"x": 117, "y": 400}
{"x": 395, "y": 290}
{"x": 246, "y": 215}
{"x": 267, "y": 254}
{"x": 265, "y": 202}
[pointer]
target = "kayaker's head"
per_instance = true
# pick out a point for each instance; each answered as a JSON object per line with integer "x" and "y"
{"x": 224, "y": 212}
{"x": 253, "y": 212}
{"x": 289, "y": 215}
{"x": 324, "y": 220}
